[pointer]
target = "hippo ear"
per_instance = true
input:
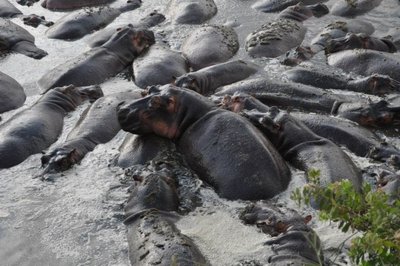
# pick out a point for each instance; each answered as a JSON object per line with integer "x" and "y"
{"x": 307, "y": 219}
{"x": 73, "y": 155}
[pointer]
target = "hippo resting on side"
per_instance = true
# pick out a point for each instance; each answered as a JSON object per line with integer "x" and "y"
{"x": 77, "y": 24}
{"x": 100, "y": 63}
{"x": 207, "y": 136}
{"x": 13, "y": 38}
{"x": 98, "y": 124}
{"x": 72, "y": 4}
{"x": 34, "y": 129}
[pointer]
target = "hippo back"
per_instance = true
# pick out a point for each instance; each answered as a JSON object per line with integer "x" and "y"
{"x": 226, "y": 151}
{"x": 13, "y": 33}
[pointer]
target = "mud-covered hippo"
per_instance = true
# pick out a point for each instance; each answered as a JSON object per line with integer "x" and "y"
{"x": 62, "y": 5}
{"x": 100, "y": 63}
{"x": 8, "y": 10}
{"x": 353, "y": 8}
{"x": 209, "y": 45}
{"x": 375, "y": 84}
{"x": 97, "y": 125}
{"x": 295, "y": 243}
{"x": 153, "y": 238}
{"x": 279, "y": 5}
{"x": 206, "y": 80}
{"x": 102, "y": 36}
{"x": 366, "y": 62}
{"x": 12, "y": 94}
{"x": 205, "y": 134}
{"x": 35, "y": 20}
{"x": 191, "y": 11}
{"x": 34, "y": 129}
{"x": 286, "y": 32}
{"x": 159, "y": 65}
{"x": 13, "y": 38}
{"x": 340, "y": 28}
{"x": 77, "y": 24}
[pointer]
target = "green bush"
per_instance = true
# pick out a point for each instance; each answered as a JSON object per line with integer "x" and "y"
{"x": 368, "y": 212}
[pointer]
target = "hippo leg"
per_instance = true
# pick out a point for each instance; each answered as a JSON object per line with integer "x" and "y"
{"x": 29, "y": 49}
{"x": 152, "y": 235}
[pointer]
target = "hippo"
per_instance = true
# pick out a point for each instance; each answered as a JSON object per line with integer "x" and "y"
{"x": 339, "y": 29}
{"x": 34, "y": 129}
{"x": 77, "y": 24}
{"x": 206, "y": 80}
{"x": 204, "y": 135}
{"x": 35, "y": 20}
{"x": 279, "y": 5}
{"x": 97, "y": 125}
{"x": 191, "y": 11}
{"x": 100, "y": 63}
{"x": 303, "y": 148}
{"x": 152, "y": 235}
{"x": 286, "y": 32}
{"x": 374, "y": 84}
{"x": 13, "y": 38}
{"x": 209, "y": 45}
{"x": 158, "y": 66}
{"x": 366, "y": 62}
{"x": 354, "y": 8}
{"x": 393, "y": 35}
{"x": 63, "y": 5}
{"x": 343, "y": 132}
{"x": 360, "y": 41}
{"x": 8, "y": 10}
{"x": 295, "y": 243}
{"x": 137, "y": 149}
{"x": 288, "y": 95}
{"x": 27, "y": 2}
{"x": 12, "y": 94}
{"x": 102, "y": 36}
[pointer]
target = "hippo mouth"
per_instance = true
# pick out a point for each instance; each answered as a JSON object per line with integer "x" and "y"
{"x": 130, "y": 118}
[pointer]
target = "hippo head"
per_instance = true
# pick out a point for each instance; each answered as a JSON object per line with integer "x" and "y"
{"x": 300, "y": 12}
{"x": 166, "y": 111}
{"x": 189, "y": 82}
{"x": 374, "y": 115}
{"x": 128, "y": 42}
{"x": 297, "y": 55}
{"x": 350, "y": 41}
{"x": 59, "y": 160}
{"x": 379, "y": 84}
{"x": 274, "y": 220}
{"x": 241, "y": 101}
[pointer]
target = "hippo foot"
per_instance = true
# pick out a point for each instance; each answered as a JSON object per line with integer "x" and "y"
{"x": 27, "y": 2}
{"x": 273, "y": 220}
{"x": 35, "y": 20}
